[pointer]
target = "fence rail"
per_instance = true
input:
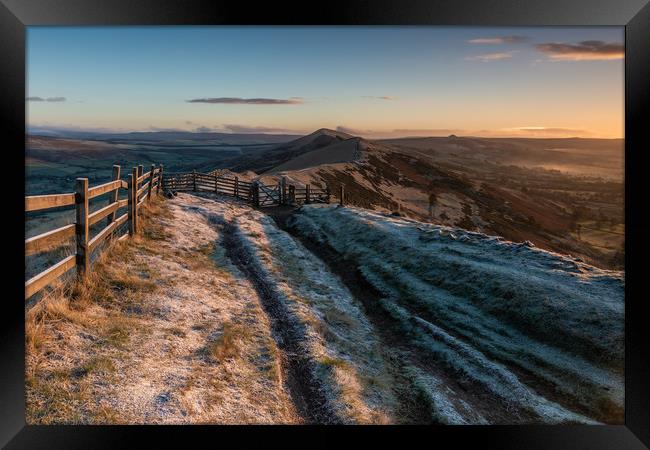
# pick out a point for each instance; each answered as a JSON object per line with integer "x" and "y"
{"x": 256, "y": 193}
{"x": 137, "y": 194}
{"x": 39, "y": 202}
{"x": 140, "y": 187}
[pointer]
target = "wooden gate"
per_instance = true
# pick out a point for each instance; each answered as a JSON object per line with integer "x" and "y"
{"x": 269, "y": 195}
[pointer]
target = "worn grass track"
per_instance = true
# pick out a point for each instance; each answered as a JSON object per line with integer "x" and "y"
{"x": 305, "y": 389}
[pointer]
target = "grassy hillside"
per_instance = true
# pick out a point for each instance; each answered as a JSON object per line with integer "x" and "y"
{"x": 497, "y": 186}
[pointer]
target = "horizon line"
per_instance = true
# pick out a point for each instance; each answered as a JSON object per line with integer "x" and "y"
{"x": 54, "y": 129}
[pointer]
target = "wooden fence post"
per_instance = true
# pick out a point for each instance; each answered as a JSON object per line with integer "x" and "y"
{"x": 341, "y": 194}
{"x": 256, "y": 193}
{"x": 140, "y": 172}
{"x": 131, "y": 205}
{"x": 216, "y": 183}
{"x": 292, "y": 194}
{"x": 136, "y": 185}
{"x": 283, "y": 191}
{"x": 81, "y": 227}
{"x": 160, "y": 180}
{"x": 151, "y": 178}
{"x": 194, "y": 179}
{"x": 114, "y": 196}
{"x": 307, "y": 193}
{"x": 236, "y": 187}
{"x": 327, "y": 193}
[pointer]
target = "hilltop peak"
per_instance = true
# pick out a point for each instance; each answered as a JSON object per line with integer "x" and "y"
{"x": 331, "y": 133}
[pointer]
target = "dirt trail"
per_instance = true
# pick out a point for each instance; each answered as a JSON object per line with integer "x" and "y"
{"x": 307, "y": 395}
{"x": 334, "y": 368}
{"x": 415, "y": 405}
{"x": 220, "y": 363}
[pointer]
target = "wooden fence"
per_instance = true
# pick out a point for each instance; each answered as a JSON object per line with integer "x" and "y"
{"x": 140, "y": 188}
{"x": 208, "y": 182}
{"x": 255, "y": 193}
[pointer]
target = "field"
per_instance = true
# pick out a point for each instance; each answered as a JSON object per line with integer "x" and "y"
{"x": 52, "y": 164}
{"x": 567, "y": 199}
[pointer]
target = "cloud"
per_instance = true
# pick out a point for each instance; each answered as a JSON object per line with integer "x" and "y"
{"x": 488, "y": 57}
{"x": 500, "y": 40}
{"x": 428, "y": 131}
{"x": 249, "y": 101}
{"x": 164, "y": 129}
{"x": 547, "y": 131}
{"x": 400, "y": 132}
{"x": 583, "y": 51}
{"x": 62, "y": 128}
{"x": 233, "y": 128}
{"x": 49, "y": 99}
{"x": 523, "y": 132}
{"x": 353, "y": 131}
{"x": 203, "y": 129}
{"x": 200, "y": 128}
{"x": 381, "y": 97}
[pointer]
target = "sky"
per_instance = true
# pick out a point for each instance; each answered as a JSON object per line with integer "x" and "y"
{"x": 369, "y": 81}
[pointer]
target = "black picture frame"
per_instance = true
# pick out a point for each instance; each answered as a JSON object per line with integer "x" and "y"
{"x": 15, "y": 15}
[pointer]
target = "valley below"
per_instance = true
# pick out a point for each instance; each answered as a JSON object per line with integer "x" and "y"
{"x": 563, "y": 195}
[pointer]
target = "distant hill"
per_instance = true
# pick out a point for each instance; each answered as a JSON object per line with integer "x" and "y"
{"x": 283, "y": 153}
{"x": 576, "y": 156}
{"x": 338, "y": 152}
{"x": 318, "y": 139}
{"x": 537, "y": 190}
{"x": 168, "y": 136}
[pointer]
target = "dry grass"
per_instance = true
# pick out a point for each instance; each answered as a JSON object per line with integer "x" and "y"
{"x": 176, "y": 331}
{"x": 334, "y": 362}
{"x": 163, "y": 331}
{"x": 225, "y": 344}
{"x": 194, "y": 259}
{"x": 75, "y": 334}
{"x": 230, "y": 342}
{"x": 35, "y": 334}
{"x": 271, "y": 361}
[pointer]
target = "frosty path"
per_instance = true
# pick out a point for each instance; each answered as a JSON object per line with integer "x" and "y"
{"x": 342, "y": 315}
